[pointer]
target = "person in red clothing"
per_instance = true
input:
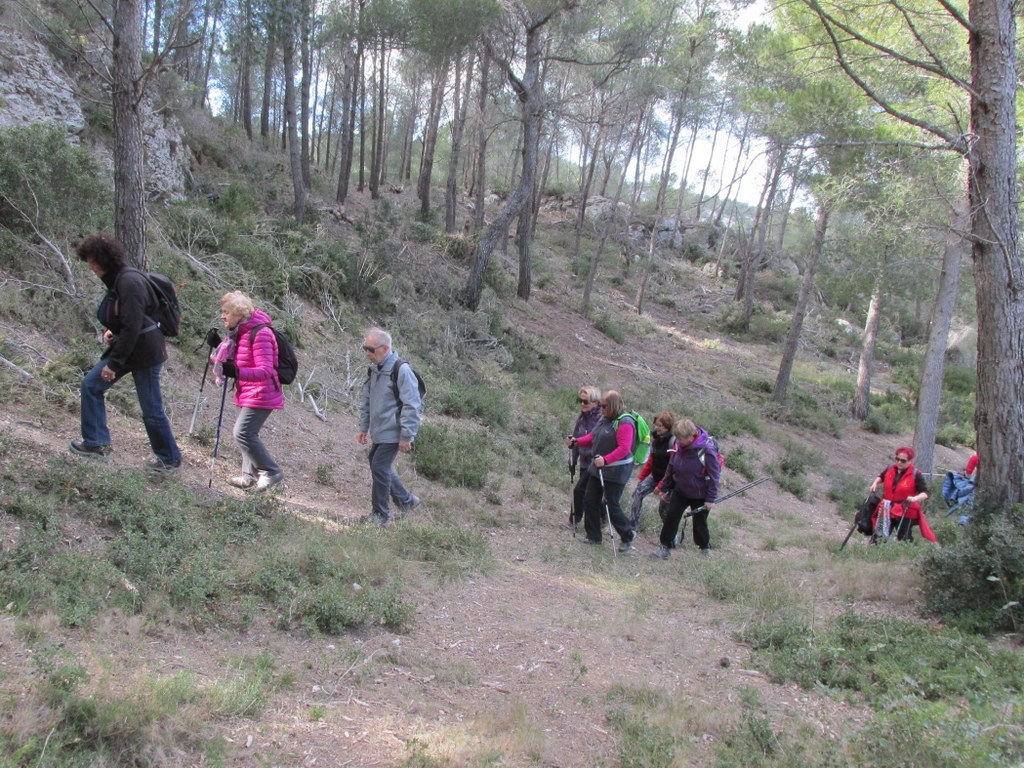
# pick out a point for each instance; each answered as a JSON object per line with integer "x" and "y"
{"x": 654, "y": 468}
{"x": 972, "y": 466}
{"x": 903, "y": 490}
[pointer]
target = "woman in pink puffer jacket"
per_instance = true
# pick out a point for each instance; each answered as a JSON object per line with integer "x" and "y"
{"x": 257, "y": 391}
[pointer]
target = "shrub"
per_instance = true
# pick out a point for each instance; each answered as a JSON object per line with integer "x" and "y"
{"x": 977, "y": 583}
{"x": 607, "y": 325}
{"x": 453, "y": 455}
{"x": 491, "y": 407}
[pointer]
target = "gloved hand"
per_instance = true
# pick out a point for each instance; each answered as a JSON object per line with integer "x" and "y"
{"x": 213, "y": 338}
{"x": 229, "y": 370}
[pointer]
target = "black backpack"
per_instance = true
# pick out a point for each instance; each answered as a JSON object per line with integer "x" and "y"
{"x": 287, "y": 361}
{"x": 394, "y": 384}
{"x": 168, "y": 314}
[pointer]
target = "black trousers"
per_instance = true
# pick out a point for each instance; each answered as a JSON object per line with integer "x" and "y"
{"x": 677, "y": 506}
{"x": 594, "y": 500}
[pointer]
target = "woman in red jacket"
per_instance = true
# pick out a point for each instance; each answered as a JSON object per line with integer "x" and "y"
{"x": 903, "y": 490}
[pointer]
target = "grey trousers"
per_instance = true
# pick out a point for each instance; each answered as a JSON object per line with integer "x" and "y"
{"x": 255, "y": 456}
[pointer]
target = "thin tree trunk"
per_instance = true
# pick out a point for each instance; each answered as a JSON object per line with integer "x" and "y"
{"x": 305, "y": 23}
{"x": 862, "y": 393}
{"x": 781, "y": 389}
{"x": 480, "y": 182}
{"x": 437, "y": 88}
{"x": 268, "y": 85}
{"x": 929, "y": 392}
{"x": 459, "y": 112}
{"x": 290, "y": 114}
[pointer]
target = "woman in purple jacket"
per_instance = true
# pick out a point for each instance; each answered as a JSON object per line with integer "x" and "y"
{"x": 690, "y": 482}
{"x": 258, "y": 389}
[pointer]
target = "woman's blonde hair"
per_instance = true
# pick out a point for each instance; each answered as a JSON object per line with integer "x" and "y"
{"x": 238, "y": 303}
{"x": 593, "y": 394}
{"x": 684, "y": 429}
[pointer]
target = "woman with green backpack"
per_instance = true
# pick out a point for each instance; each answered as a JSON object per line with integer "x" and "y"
{"x": 612, "y": 443}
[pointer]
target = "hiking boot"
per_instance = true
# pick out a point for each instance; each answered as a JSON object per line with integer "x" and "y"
{"x": 626, "y": 547}
{"x": 414, "y": 502}
{"x": 268, "y": 480}
{"x": 586, "y": 540}
{"x": 662, "y": 553}
{"x": 79, "y": 448}
{"x": 569, "y": 526}
{"x": 161, "y": 467}
{"x": 705, "y": 552}
{"x": 242, "y": 481}
{"x": 374, "y": 518}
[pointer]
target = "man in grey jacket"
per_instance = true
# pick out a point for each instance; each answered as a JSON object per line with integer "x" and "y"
{"x": 389, "y": 418}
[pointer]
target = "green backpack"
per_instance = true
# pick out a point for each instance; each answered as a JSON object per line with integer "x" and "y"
{"x": 642, "y": 443}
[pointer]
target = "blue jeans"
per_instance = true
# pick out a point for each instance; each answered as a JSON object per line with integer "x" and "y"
{"x": 385, "y": 482}
{"x": 255, "y": 455}
{"x": 147, "y": 387}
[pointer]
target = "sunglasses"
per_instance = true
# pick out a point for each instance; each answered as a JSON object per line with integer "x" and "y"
{"x": 583, "y": 401}
{"x": 371, "y": 349}
{"x": 901, "y": 459}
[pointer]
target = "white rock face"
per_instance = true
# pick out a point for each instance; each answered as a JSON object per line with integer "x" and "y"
{"x": 34, "y": 88}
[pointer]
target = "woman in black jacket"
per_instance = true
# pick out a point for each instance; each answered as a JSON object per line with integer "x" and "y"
{"x": 135, "y": 345}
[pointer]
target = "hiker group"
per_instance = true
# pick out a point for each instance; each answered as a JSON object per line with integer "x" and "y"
{"x": 680, "y": 462}
{"x": 140, "y": 309}
{"x": 681, "y": 466}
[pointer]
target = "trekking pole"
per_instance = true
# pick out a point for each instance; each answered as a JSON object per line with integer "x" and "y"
{"x": 737, "y": 492}
{"x": 212, "y": 340}
{"x": 572, "y": 492}
{"x": 608, "y": 513}
{"x": 216, "y": 439}
{"x": 848, "y": 535}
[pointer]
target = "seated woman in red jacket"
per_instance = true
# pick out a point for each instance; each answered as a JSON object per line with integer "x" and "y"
{"x": 904, "y": 488}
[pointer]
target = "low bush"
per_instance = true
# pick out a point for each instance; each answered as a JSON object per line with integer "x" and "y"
{"x": 453, "y": 455}
{"x": 977, "y": 582}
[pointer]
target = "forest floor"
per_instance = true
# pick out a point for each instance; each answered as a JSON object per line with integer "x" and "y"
{"x": 520, "y": 665}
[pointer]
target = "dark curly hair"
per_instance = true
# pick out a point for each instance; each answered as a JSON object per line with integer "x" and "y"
{"x": 105, "y": 251}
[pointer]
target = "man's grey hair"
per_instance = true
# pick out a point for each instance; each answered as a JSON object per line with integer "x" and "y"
{"x": 382, "y": 336}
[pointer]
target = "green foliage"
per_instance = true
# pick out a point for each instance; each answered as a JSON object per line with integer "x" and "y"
{"x": 491, "y": 407}
{"x": 977, "y": 582}
{"x": 49, "y": 185}
{"x": 237, "y": 202}
{"x": 729, "y": 422}
{"x": 743, "y": 461}
{"x": 609, "y": 326}
{"x": 455, "y": 551}
{"x": 848, "y": 492}
{"x": 453, "y": 455}
{"x": 790, "y": 472}
{"x": 956, "y": 411}
{"x": 922, "y": 681}
{"x": 890, "y": 414}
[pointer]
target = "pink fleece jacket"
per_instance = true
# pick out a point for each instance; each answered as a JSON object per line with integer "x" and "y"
{"x": 257, "y": 386}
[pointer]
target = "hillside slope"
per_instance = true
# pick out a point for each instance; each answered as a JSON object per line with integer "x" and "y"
{"x": 525, "y": 663}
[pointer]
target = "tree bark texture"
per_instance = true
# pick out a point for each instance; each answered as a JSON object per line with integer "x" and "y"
{"x": 996, "y": 251}
{"x": 129, "y": 190}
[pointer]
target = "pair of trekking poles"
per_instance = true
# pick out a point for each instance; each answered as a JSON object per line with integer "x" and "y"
{"x": 212, "y": 340}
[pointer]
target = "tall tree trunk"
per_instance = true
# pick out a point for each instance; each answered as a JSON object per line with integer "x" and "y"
{"x": 996, "y": 250}
{"x": 268, "y": 84}
{"x": 288, "y": 34}
{"x": 129, "y": 190}
{"x": 480, "y": 165}
{"x": 929, "y": 392}
{"x": 245, "y": 66}
{"x": 305, "y": 24}
{"x": 437, "y": 88}
{"x": 377, "y": 78}
{"x": 862, "y": 393}
{"x": 754, "y": 257}
{"x": 158, "y": 20}
{"x": 659, "y": 208}
{"x": 781, "y": 389}
{"x": 612, "y": 218}
{"x": 459, "y": 112}
{"x": 350, "y": 90}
